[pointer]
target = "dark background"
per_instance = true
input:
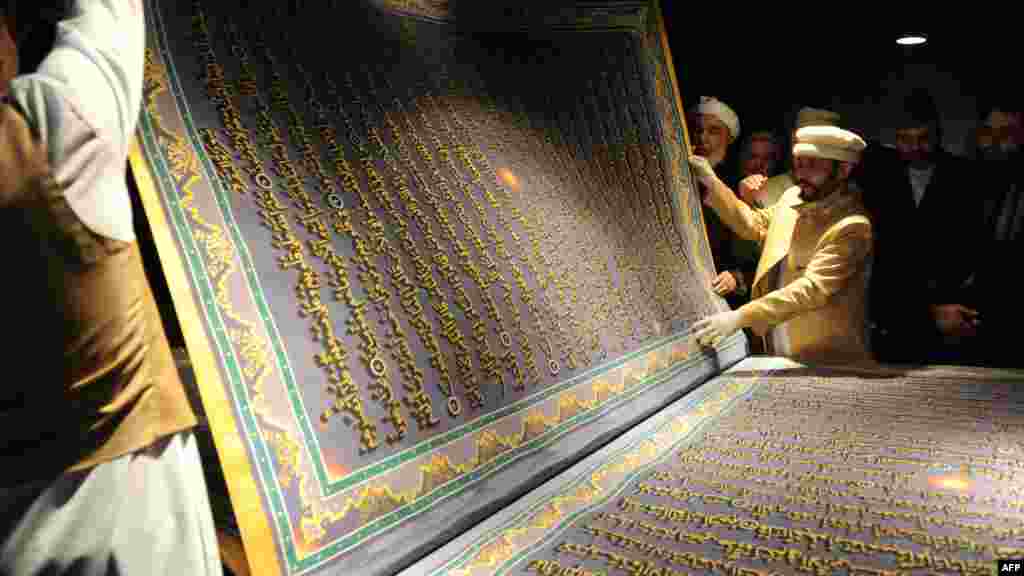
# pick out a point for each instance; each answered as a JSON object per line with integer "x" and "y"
{"x": 766, "y": 63}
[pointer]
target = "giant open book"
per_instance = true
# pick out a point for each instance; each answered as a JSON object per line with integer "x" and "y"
{"x": 436, "y": 264}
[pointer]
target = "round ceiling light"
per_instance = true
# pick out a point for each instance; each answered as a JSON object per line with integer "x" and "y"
{"x": 911, "y": 40}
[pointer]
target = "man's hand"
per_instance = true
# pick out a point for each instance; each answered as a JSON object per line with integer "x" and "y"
{"x": 702, "y": 170}
{"x": 956, "y": 321}
{"x": 725, "y": 283}
{"x": 717, "y": 327}
{"x": 751, "y": 188}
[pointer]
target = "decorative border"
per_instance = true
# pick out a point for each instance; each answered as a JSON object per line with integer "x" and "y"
{"x": 257, "y": 535}
{"x": 172, "y": 159}
{"x": 522, "y": 535}
{"x": 676, "y": 150}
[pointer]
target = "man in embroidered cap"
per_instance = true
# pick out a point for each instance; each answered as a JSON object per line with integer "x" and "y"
{"x": 717, "y": 127}
{"x": 808, "y": 297}
{"x": 764, "y": 192}
{"x": 101, "y": 470}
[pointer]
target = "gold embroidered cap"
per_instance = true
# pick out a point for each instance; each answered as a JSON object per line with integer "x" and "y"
{"x": 808, "y": 116}
{"x": 829, "y": 142}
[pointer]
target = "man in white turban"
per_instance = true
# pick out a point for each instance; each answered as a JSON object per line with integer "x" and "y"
{"x": 716, "y": 127}
{"x": 810, "y": 286}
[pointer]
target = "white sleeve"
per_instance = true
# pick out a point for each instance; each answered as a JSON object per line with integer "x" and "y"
{"x": 85, "y": 99}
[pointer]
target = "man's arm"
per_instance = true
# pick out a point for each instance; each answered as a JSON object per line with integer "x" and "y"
{"x": 746, "y": 222}
{"x": 85, "y": 99}
{"x": 831, "y": 267}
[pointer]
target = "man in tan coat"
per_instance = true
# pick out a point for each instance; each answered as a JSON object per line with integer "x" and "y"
{"x": 809, "y": 290}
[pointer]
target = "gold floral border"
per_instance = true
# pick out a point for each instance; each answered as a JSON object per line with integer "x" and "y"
{"x": 257, "y": 536}
{"x": 520, "y": 535}
{"x": 256, "y": 532}
{"x": 678, "y": 155}
{"x": 380, "y": 497}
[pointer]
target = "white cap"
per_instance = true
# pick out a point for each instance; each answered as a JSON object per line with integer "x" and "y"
{"x": 828, "y": 142}
{"x": 714, "y": 107}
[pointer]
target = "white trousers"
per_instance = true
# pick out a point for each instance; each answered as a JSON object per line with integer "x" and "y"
{"x": 145, "y": 513}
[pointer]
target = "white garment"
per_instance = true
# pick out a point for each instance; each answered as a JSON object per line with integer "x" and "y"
{"x": 146, "y": 513}
{"x": 85, "y": 99}
{"x": 919, "y": 180}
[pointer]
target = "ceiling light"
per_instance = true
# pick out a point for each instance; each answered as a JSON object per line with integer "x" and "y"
{"x": 911, "y": 40}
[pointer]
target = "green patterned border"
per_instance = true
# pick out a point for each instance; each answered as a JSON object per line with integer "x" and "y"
{"x": 457, "y": 485}
{"x": 676, "y": 429}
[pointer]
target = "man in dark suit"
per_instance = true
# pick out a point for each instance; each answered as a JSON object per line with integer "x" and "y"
{"x": 917, "y": 311}
{"x": 1000, "y": 240}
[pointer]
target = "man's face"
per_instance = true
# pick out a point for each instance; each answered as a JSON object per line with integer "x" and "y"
{"x": 761, "y": 157}
{"x": 817, "y": 177}
{"x": 8, "y": 55}
{"x": 915, "y": 145}
{"x": 712, "y": 138}
{"x": 1000, "y": 134}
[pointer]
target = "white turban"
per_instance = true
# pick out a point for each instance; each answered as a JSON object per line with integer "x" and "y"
{"x": 828, "y": 142}
{"x": 714, "y": 107}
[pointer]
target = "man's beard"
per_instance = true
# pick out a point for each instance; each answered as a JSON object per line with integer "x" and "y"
{"x": 811, "y": 193}
{"x": 714, "y": 157}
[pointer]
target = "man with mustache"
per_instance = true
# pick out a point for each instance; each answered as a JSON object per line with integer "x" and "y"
{"x": 761, "y": 154}
{"x": 808, "y": 299}
{"x": 914, "y": 301}
{"x": 101, "y": 469}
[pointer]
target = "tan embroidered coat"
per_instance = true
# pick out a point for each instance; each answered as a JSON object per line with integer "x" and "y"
{"x": 812, "y": 274}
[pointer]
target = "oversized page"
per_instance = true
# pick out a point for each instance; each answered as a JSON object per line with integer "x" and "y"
{"x": 779, "y": 468}
{"x": 425, "y": 257}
